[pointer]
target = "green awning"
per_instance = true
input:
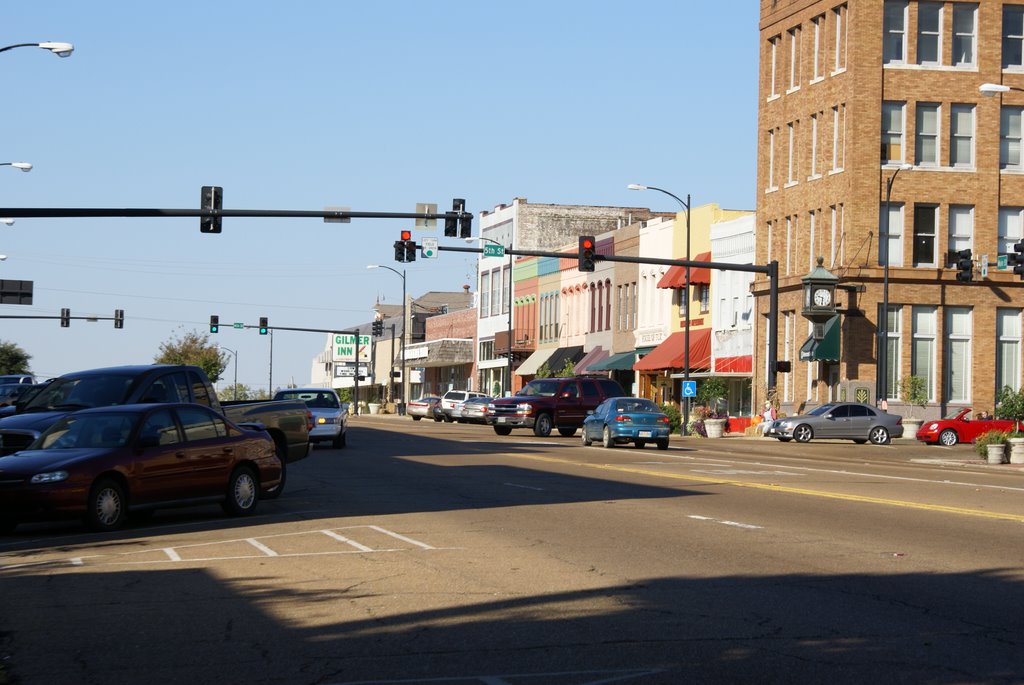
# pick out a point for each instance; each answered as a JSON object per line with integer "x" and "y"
{"x": 623, "y": 361}
{"x": 826, "y": 349}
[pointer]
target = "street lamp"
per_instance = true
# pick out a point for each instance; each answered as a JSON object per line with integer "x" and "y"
{"x": 24, "y": 166}
{"x": 228, "y": 349}
{"x": 9, "y": 222}
{"x": 686, "y": 296}
{"x": 508, "y": 388}
{"x": 59, "y": 49}
{"x": 882, "y": 371}
{"x": 404, "y": 327}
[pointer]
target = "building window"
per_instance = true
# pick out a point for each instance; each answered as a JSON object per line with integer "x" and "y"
{"x": 789, "y": 239}
{"x": 811, "y": 243}
{"x": 893, "y": 226}
{"x": 892, "y": 132}
{"x": 773, "y": 49}
{"x": 704, "y": 292}
{"x": 894, "y": 336}
{"x": 608, "y": 305}
{"x": 1011, "y": 228}
{"x": 818, "y": 22}
{"x": 925, "y": 224}
{"x": 958, "y": 354}
{"x": 794, "y": 58}
{"x": 771, "y": 160}
{"x": 814, "y": 146}
{"x": 1007, "y": 349}
{"x": 894, "y": 29}
{"x": 961, "y": 230}
{"x": 838, "y": 137}
{"x": 961, "y": 136}
{"x": 495, "y": 292}
{"x": 964, "y": 34}
{"x": 1013, "y": 36}
{"x": 485, "y": 294}
{"x": 791, "y": 163}
{"x": 929, "y": 33}
{"x": 486, "y": 348}
{"x": 922, "y": 347}
{"x": 1010, "y": 138}
{"x": 927, "y": 139}
{"x": 839, "y": 38}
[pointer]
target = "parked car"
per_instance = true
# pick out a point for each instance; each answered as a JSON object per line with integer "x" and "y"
{"x": 17, "y": 378}
{"x": 450, "y": 403}
{"x": 547, "y": 403}
{"x": 627, "y": 419}
{"x": 474, "y": 410}
{"x": 958, "y": 426}
{"x": 102, "y": 463}
{"x": 330, "y": 414}
{"x": 10, "y": 392}
{"x": 423, "y": 408}
{"x": 839, "y": 421}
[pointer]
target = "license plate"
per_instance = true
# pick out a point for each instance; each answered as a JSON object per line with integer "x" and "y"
{"x": 643, "y": 434}
{"x": 501, "y": 419}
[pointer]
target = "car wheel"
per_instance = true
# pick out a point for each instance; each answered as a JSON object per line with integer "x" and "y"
{"x": 448, "y": 419}
{"x": 503, "y": 430}
{"x": 437, "y": 419}
{"x": 949, "y": 437}
{"x": 606, "y": 438}
{"x": 803, "y": 433}
{"x": 662, "y": 444}
{"x": 859, "y": 441}
{"x": 566, "y": 432}
{"x": 542, "y": 427}
{"x": 416, "y": 418}
{"x": 241, "y": 495}
{"x": 879, "y": 436}
{"x": 108, "y": 507}
{"x": 340, "y": 441}
{"x": 587, "y": 442}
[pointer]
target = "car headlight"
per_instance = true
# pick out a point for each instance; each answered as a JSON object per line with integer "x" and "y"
{"x": 51, "y": 477}
{"x": 524, "y": 408}
{"x": 931, "y": 426}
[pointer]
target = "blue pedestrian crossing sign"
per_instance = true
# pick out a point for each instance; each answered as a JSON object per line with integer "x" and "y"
{"x": 689, "y": 388}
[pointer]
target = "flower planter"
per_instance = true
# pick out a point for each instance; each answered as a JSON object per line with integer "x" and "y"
{"x": 996, "y": 453}
{"x": 1016, "y": 450}
{"x": 910, "y": 427}
{"x": 715, "y": 428}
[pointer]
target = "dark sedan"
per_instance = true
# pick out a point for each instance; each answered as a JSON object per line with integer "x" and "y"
{"x": 105, "y": 462}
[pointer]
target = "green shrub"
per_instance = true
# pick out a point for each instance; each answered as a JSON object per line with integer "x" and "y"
{"x": 982, "y": 442}
{"x": 674, "y": 416}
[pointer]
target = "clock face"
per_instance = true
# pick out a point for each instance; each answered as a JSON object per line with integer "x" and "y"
{"x": 822, "y": 297}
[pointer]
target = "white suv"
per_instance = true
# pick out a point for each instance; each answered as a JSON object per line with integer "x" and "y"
{"x": 450, "y": 406}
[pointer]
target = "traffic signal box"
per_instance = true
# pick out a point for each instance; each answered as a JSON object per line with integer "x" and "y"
{"x": 118, "y": 318}
{"x": 378, "y": 328}
{"x": 65, "y": 317}
{"x": 214, "y": 323}
{"x": 212, "y": 198}
{"x": 263, "y": 325}
{"x": 405, "y": 249}
{"x": 586, "y": 253}
{"x": 964, "y": 266}
{"x": 1016, "y": 258}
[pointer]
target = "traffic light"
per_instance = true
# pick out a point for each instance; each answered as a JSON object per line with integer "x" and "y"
{"x": 964, "y": 266}
{"x": 214, "y": 323}
{"x": 211, "y": 197}
{"x": 466, "y": 226}
{"x": 586, "y": 255}
{"x": 263, "y": 325}
{"x": 378, "y": 328}
{"x": 451, "y": 224}
{"x": 408, "y": 247}
{"x": 65, "y": 317}
{"x": 118, "y": 318}
{"x": 399, "y": 250}
{"x": 1016, "y": 258}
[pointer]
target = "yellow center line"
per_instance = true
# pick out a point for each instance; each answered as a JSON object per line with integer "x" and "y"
{"x": 774, "y": 487}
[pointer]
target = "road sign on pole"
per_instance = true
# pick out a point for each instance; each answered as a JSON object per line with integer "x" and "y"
{"x": 492, "y": 250}
{"x": 423, "y": 224}
{"x": 429, "y": 248}
{"x": 238, "y": 324}
{"x": 1001, "y": 262}
{"x": 984, "y": 266}
{"x": 689, "y": 388}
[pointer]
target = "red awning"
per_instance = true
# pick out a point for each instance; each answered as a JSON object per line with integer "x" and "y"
{"x": 675, "y": 277}
{"x": 593, "y": 357}
{"x": 744, "y": 364}
{"x": 669, "y": 354}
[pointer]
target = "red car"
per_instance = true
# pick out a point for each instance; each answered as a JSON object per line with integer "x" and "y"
{"x": 959, "y": 426}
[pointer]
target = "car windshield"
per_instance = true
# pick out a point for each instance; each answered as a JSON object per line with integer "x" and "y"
{"x": 956, "y": 412}
{"x": 541, "y": 388}
{"x": 105, "y": 430}
{"x": 818, "y": 411}
{"x": 637, "y": 406}
{"x": 313, "y": 400}
{"x": 81, "y": 393}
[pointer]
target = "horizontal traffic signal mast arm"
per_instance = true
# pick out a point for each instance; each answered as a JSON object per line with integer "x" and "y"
{"x": 63, "y": 212}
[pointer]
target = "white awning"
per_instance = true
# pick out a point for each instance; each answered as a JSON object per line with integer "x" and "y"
{"x": 534, "y": 361}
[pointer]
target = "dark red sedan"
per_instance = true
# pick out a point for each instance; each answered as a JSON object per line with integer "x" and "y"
{"x": 959, "y": 426}
{"x": 105, "y": 462}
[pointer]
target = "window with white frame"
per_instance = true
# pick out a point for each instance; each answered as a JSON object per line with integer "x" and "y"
{"x": 735, "y": 319}
{"x": 965, "y": 40}
{"x": 794, "y": 58}
{"x": 958, "y": 354}
{"x": 773, "y": 49}
{"x": 814, "y": 146}
{"x": 789, "y": 239}
{"x": 1011, "y": 228}
{"x": 961, "y": 231}
{"x": 633, "y": 306}
{"x": 818, "y": 23}
{"x": 838, "y": 137}
{"x": 893, "y": 340}
{"x": 923, "y": 346}
{"x": 768, "y": 230}
{"x": 839, "y": 38}
{"x": 485, "y": 294}
{"x": 892, "y": 132}
{"x": 704, "y": 291}
{"x": 927, "y": 138}
{"x": 961, "y": 136}
{"x": 894, "y": 30}
{"x": 1013, "y": 36}
{"x": 495, "y": 292}
{"x": 1008, "y": 334}
{"x": 835, "y": 233}
{"x": 792, "y": 161}
{"x": 812, "y": 243}
{"x": 771, "y": 160}
{"x": 1010, "y": 138}
{"x": 929, "y": 33}
{"x": 892, "y": 225}
{"x": 926, "y": 222}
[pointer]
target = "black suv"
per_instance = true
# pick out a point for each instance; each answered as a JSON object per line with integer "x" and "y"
{"x": 547, "y": 403}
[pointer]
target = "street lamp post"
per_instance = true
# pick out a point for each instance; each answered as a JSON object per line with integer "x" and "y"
{"x": 405, "y": 327}
{"x": 507, "y": 389}
{"x": 24, "y": 166}
{"x": 59, "y": 49}
{"x": 686, "y": 297}
{"x": 882, "y": 370}
{"x": 235, "y": 353}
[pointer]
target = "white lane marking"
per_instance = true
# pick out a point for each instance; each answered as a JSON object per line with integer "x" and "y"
{"x": 172, "y": 554}
{"x": 734, "y": 524}
{"x": 395, "y": 535}
{"x": 261, "y": 547}
{"x": 342, "y": 538}
{"x": 744, "y": 472}
{"x": 525, "y": 487}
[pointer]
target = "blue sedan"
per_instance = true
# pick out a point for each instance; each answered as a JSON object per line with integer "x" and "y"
{"x": 626, "y": 419}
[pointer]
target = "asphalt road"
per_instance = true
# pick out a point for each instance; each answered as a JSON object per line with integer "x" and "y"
{"x": 441, "y": 553}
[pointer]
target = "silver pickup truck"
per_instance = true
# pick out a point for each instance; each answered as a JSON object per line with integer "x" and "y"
{"x": 330, "y": 414}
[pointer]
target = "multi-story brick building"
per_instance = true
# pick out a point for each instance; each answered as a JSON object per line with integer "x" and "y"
{"x": 872, "y": 122}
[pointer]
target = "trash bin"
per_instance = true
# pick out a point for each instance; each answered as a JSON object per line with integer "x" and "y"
{"x": 401, "y": 408}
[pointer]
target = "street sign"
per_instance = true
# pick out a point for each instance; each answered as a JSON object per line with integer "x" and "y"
{"x": 332, "y": 220}
{"x": 429, "y": 248}
{"x": 689, "y": 388}
{"x": 1001, "y": 262}
{"x": 984, "y": 266}
{"x": 238, "y": 324}
{"x": 492, "y": 250}
{"x": 426, "y": 224}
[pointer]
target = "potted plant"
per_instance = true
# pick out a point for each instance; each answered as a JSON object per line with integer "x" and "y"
{"x": 712, "y": 392}
{"x": 1010, "y": 405}
{"x": 992, "y": 446}
{"x": 914, "y": 392}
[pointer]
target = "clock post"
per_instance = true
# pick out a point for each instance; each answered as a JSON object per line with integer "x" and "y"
{"x": 819, "y": 297}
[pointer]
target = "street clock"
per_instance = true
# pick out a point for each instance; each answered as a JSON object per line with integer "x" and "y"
{"x": 819, "y": 294}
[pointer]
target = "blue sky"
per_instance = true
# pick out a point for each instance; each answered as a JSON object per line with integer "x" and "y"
{"x": 374, "y": 106}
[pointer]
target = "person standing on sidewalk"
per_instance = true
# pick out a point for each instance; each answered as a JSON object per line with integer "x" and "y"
{"x": 768, "y": 417}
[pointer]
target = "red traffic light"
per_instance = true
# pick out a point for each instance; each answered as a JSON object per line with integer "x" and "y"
{"x": 587, "y": 243}
{"x": 406, "y": 235}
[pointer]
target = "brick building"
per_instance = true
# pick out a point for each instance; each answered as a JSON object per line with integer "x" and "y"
{"x": 872, "y": 122}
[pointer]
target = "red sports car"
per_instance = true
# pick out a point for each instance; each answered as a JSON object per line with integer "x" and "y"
{"x": 960, "y": 427}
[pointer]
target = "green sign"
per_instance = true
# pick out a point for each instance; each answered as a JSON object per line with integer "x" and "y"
{"x": 492, "y": 250}
{"x": 1001, "y": 262}
{"x": 238, "y": 324}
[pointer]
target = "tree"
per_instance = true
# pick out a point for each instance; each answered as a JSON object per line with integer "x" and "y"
{"x": 711, "y": 392}
{"x": 914, "y": 392}
{"x": 194, "y": 348}
{"x": 238, "y": 392}
{"x": 13, "y": 359}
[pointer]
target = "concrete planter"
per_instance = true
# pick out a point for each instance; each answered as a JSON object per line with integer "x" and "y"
{"x": 996, "y": 453}
{"x": 910, "y": 427}
{"x": 373, "y": 407}
{"x": 1016, "y": 450}
{"x": 715, "y": 428}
